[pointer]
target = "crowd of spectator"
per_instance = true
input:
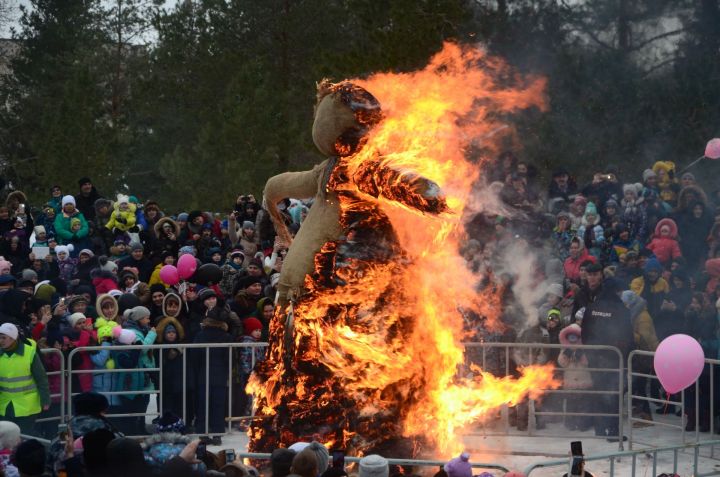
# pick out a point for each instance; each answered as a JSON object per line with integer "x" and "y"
{"x": 622, "y": 263}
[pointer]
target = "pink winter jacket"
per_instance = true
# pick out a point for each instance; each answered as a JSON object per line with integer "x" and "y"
{"x": 665, "y": 248}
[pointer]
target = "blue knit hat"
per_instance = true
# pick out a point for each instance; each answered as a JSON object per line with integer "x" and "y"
{"x": 653, "y": 265}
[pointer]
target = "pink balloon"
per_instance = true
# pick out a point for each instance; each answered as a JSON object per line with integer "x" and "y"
{"x": 679, "y": 361}
{"x": 169, "y": 274}
{"x": 186, "y": 266}
{"x": 712, "y": 150}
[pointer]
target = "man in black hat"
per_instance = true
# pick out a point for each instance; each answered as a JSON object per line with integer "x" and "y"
{"x": 562, "y": 185}
{"x": 85, "y": 200}
{"x": 605, "y": 321}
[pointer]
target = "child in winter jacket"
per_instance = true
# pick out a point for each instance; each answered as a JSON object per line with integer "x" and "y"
{"x": 249, "y": 358}
{"x": 66, "y": 266}
{"x": 664, "y": 243}
{"x": 102, "y": 382}
{"x": 122, "y": 218}
{"x": 576, "y": 377}
{"x": 81, "y": 337}
{"x": 591, "y": 232}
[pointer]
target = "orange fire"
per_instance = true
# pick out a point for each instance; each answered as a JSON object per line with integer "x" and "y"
{"x": 381, "y": 353}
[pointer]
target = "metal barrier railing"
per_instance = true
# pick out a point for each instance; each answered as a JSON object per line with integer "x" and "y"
{"x": 611, "y": 458}
{"x": 60, "y": 373}
{"x": 391, "y": 461}
{"x": 183, "y": 348}
{"x": 633, "y": 373}
{"x": 532, "y": 412}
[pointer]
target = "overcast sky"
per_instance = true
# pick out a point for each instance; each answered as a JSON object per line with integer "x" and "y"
{"x": 15, "y": 10}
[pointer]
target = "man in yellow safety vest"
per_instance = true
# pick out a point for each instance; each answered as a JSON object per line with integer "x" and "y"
{"x": 24, "y": 389}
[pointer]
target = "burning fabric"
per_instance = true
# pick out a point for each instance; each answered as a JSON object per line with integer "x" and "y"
{"x": 365, "y": 344}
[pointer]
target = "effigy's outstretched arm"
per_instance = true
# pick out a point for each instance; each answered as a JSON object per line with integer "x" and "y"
{"x": 406, "y": 187}
{"x": 296, "y": 185}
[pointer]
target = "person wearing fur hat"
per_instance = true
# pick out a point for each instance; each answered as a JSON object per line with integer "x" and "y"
{"x": 63, "y": 223}
{"x": 632, "y": 211}
{"x": 591, "y": 232}
{"x": 170, "y": 331}
{"x": 152, "y": 213}
{"x": 575, "y": 377}
{"x": 214, "y": 329}
{"x": 167, "y": 233}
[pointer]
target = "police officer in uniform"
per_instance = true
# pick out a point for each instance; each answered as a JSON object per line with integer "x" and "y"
{"x": 605, "y": 321}
{"x": 24, "y": 389}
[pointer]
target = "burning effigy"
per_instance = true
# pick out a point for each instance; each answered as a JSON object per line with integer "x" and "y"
{"x": 365, "y": 345}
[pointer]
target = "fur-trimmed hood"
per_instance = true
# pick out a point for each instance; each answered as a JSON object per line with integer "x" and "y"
{"x": 106, "y": 297}
{"x": 169, "y": 320}
{"x": 159, "y": 224}
{"x": 164, "y": 307}
{"x": 165, "y": 438}
{"x": 16, "y": 194}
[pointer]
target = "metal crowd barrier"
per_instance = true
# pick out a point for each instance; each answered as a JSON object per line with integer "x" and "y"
{"x": 61, "y": 396}
{"x": 391, "y": 461}
{"x": 229, "y": 347}
{"x": 559, "y": 372}
{"x": 613, "y": 458}
{"x": 682, "y": 403}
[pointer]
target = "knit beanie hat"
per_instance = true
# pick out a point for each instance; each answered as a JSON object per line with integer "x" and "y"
{"x": 74, "y": 221}
{"x": 590, "y": 209}
{"x": 321, "y": 453}
{"x": 556, "y": 289}
{"x": 653, "y": 265}
{"x": 28, "y": 275}
{"x": 169, "y": 328}
{"x": 634, "y": 188}
{"x": 688, "y": 176}
{"x": 66, "y": 249}
{"x": 39, "y": 229}
{"x": 611, "y": 203}
{"x": 182, "y": 217}
{"x": 251, "y": 324}
{"x": 75, "y": 318}
{"x": 459, "y": 466}
{"x": 68, "y": 199}
{"x": 374, "y": 465}
{"x": 580, "y": 200}
{"x": 9, "y": 435}
{"x": 138, "y": 313}
{"x": 169, "y": 422}
{"x": 299, "y": 447}
{"x": 248, "y": 225}
{"x": 648, "y": 173}
{"x": 136, "y": 246}
{"x": 87, "y": 251}
{"x": 187, "y": 249}
{"x": 9, "y": 330}
{"x": 280, "y": 461}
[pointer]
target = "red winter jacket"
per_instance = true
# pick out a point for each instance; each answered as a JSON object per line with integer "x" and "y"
{"x": 666, "y": 249}
{"x": 572, "y": 266}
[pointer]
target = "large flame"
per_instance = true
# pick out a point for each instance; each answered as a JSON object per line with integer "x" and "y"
{"x": 386, "y": 363}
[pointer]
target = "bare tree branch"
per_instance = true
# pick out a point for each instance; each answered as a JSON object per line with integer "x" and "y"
{"x": 644, "y": 43}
